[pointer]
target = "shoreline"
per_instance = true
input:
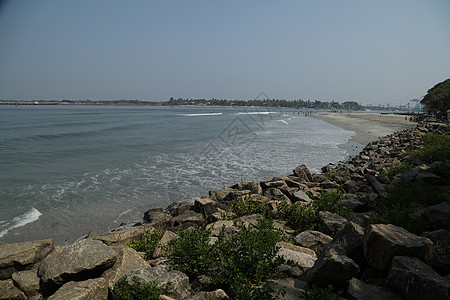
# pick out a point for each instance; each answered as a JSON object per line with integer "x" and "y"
{"x": 368, "y": 127}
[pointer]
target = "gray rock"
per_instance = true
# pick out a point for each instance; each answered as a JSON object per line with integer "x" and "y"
{"x": 9, "y": 292}
{"x": 300, "y": 196}
{"x": 382, "y": 242}
{"x": 21, "y": 256}
{"x": 27, "y": 281}
{"x": 358, "y": 290}
{"x": 176, "y": 209}
{"x": 304, "y": 261}
{"x": 332, "y": 267}
{"x": 351, "y": 239}
{"x": 188, "y": 218}
{"x": 221, "y": 195}
{"x": 122, "y": 237}
{"x": 297, "y": 248}
{"x": 163, "y": 242}
{"x": 216, "y": 227}
{"x": 441, "y": 258}
{"x": 82, "y": 290}
{"x": 410, "y": 175}
{"x": 164, "y": 276}
{"x": 303, "y": 173}
{"x": 331, "y": 223}
{"x": 362, "y": 219}
{"x": 413, "y": 279}
{"x": 429, "y": 177}
{"x": 128, "y": 260}
{"x": 218, "y": 294}
{"x": 254, "y": 187}
{"x": 274, "y": 193}
{"x": 314, "y": 240}
{"x": 157, "y": 217}
{"x": 438, "y": 215}
{"x": 293, "y": 288}
{"x": 80, "y": 261}
{"x": 355, "y": 205}
{"x": 206, "y": 206}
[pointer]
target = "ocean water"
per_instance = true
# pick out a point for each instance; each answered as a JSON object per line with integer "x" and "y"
{"x": 67, "y": 170}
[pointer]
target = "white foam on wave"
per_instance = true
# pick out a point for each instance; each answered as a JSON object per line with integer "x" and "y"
{"x": 257, "y": 113}
{"x": 19, "y": 221}
{"x": 283, "y": 121}
{"x": 199, "y": 115}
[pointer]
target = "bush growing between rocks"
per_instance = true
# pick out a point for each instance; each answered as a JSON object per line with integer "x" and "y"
{"x": 399, "y": 207}
{"x": 395, "y": 168}
{"x": 147, "y": 243}
{"x": 436, "y": 148}
{"x": 241, "y": 262}
{"x": 298, "y": 216}
{"x": 319, "y": 293}
{"x": 245, "y": 206}
{"x": 191, "y": 251}
{"x": 246, "y": 259}
{"x": 136, "y": 290}
{"x": 331, "y": 201}
{"x": 302, "y": 216}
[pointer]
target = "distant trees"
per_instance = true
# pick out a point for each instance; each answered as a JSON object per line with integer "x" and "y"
{"x": 438, "y": 97}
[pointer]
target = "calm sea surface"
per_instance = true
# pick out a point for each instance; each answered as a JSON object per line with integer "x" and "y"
{"x": 66, "y": 170}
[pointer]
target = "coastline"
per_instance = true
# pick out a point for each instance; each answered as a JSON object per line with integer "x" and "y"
{"x": 368, "y": 127}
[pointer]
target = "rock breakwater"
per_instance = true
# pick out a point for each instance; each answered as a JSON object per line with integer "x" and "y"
{"x": 343, "y": 228}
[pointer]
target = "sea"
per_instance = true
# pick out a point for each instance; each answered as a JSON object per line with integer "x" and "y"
{"x": 67, "y": 170}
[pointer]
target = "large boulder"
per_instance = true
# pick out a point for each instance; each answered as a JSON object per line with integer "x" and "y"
{"x": 122, "y": 237}
{"x": 163, "y": 277}
{"x": 157, "y": 217}
{"x": 351, "y": 239}
{"x": 303, "y": 261}
{"x": 302, "y": 172}
{"x": 187, "y": 219}
{"x": 332, "y": 267}
{"x": 178, "y": 208}
{"x": 80, "y": 261}
{"x": 438, "y": 215}
{"x": 218, "y": 294}
{"x": 288, "y": 288}
{"x": 20, "y": 256}
{"x": 331, "y": 223}
{"x": 128, "y": 260}
{"x": 358, "y": 290}
{"x": 160, "y": 250}
{"x": 382, "y": 242}
{"x": 441, "y": 258}
{"x": 82, "y": 290}
{"x": 314, "y": 240}
{"x": 9, "y": 292}
{"x": 28, "y": 282}
{"x": 413, "y": 279}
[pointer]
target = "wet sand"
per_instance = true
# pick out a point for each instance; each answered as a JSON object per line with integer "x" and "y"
{"x": 368, "y": 127}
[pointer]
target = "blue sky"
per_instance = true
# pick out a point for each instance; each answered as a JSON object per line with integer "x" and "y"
{"x": 378, "y": 52}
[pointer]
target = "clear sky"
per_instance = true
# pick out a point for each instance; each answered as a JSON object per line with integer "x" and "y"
{"x": 378, "y": 52}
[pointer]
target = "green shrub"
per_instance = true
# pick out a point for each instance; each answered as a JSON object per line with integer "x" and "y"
{"x": 395, "y": 168}
{"x": 246, "y": 206}
{"x": 148, "y": 242}
{"x": 191, "y": 251}
{"x": 320, "y": 293}
{"x": 136, "y": 290}
{"x": 399, "y": 207}
{"x": 246, "y": 259}
{"x": 331, "y": 201}
{"x": 298, "y": 216}
{"x": 436, "y": 148}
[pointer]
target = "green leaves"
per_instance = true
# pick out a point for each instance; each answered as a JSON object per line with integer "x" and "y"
{"x": 438, "y": 97}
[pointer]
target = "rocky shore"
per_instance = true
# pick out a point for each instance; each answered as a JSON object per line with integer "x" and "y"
{"x": 350, "y": 250}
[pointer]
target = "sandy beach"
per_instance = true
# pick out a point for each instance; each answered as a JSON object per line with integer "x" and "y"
{"x": 367, "y": 126}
